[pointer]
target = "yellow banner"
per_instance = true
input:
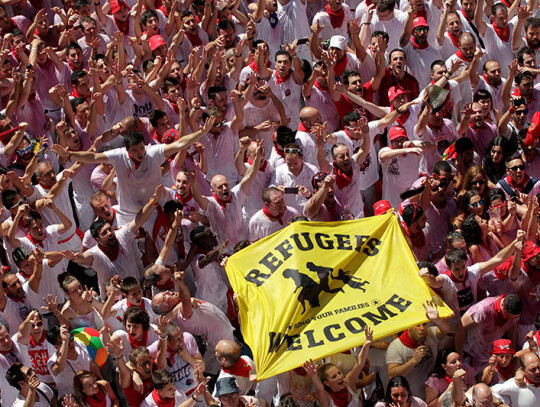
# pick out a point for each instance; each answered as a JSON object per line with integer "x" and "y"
{"x": 308, "y": 290}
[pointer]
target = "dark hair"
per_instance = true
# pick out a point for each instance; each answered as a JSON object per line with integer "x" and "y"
{"x": 72, "y": 45}
{"x": 537, "y": 322}
{"x": 284, "y": 136}
{"x": 455, "y": 256}
{"x": 471, "y": 230}
{"x": 489, "y": 165}
{"x": 168, "y": 82}
{"x": 20, "y": 254}
{"x": 129, "y": 283}
{"x": 515, "y": 156}
{"x": 77, "y": 102}
{"x": 385, "y": 5}
{"x": 296, "y": 146}
{"x": 466, "y": 200}
{"x": 242, "y": 244}
{"x": 96, "y": 226}
{"x": 523, "y": 75}
{"x": 8, "y": 273}
{"x": 161, "y": 378}
{"x": 283, "y": 52}
{"x": 532, "y": 22}
{"x": 496, "y": 7}
{"x": 64, "y": 279}
{"x": 411, "y": 213}
{"x": 155, "y": 116}
{"x": 432, "y": 269}
{"x": 14, "y": 375}
{"x": 225, "y": 24}
{"x": 437, "y": 62}
{"x": 86, "y": 19}
{"x": 137, "y": 315}
{"x": 133, "y": 138}
{"x": 80, "y": 3}
{"x": 463, "y": 144}
{"x": 398, "y": 381}
{"x": 31, "y": 217}
{"x": 172, "y": 206}
{"x": 8, "y": 198}
{"x": 494, "y": 194}
{"x": 379, "y": 33}
{"x": 396, "y": 50}
{"x": 482, "y": 94}
{"x": 53, "y": 333}
{"x": 147, "y": 15}
{"x": 441, "y": 166}
{"x": 352, "y": 116}
{"x": 214, "y": 90}
{"x": 512, "y": 304}
{"x": 442, "y": 358}
{"x": 349, "y": 74}
{"x": 522, "y": 52}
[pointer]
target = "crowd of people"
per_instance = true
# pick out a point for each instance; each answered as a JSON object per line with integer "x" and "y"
{"x": 142, "y": 142}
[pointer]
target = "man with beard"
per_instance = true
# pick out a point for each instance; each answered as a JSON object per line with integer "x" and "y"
{"x": 524, "y": 82}
{"x": 14, "y": 304}
{"x": 414, "y": 41}
{"x": 514, "y": 395}
{"x": 114, "y": 253}
{"x": 491, "y": 80}
{"x": 473, "y": 126}
{"x": 102, "y": 209}
{"x": 532, "y": 32}
{"x": 224, "y": 207}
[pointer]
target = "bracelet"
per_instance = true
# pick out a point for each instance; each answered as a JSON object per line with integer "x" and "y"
{"x": 365, "y": 23}
{"x": 399, "y": 111}
{"x": 249, "y": 39}
{"x": 193, "y": 397}
{"x": 152, "y": 202}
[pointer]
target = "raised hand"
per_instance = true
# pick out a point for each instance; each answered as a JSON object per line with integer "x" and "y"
{"x": 52, "y": 304}
{"x": 311, "y": 368}
{"x": 431, "y": 310}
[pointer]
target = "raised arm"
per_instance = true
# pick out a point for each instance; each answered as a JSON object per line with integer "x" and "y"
{"x": 187, "y": 141}
{"x": 317, "y": 199}
{"x": 85, "y": 157}
{"x": 252, "y": 171}
{"x": 478, "y": 20}
{"x": 407, "y": 27}
{"x": 352, "y": 377}
{"x": 143, "y": 215}
{"x": 448, "y": 5}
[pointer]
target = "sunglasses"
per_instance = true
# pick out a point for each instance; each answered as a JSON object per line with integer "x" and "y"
{"x": 522, "y": 112}
{"x": 517, "y": 167}
{"x": 422, "y": 29}
{"x": 477, "y": 204}
{"x": 37, "y": 324}
{"x": 481, "y": 182}
{"x": 320, "y": 176}
{"x": 445, "y": 180}
{"x": 218, "y": 125}
{"x": 25, "y": 150}
{"x": 293, "y": 151}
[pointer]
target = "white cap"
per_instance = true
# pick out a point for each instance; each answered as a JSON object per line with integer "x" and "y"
{"x": 338, "y": 41}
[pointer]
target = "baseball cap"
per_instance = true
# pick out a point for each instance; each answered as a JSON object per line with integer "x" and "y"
{"x": 394, "y": 91}
{"x": 381, "y": 207}
{"x": 529, "y": 251}
{"x": 156, "y": 41}
{"x": 117, "y": 5}
{"x": 419, "y": 22}
{"x": 338, "y": 41}
{"x": 502, "y": 346}
{"x": 170, "y": 136}
{"x": 397, "y": 132}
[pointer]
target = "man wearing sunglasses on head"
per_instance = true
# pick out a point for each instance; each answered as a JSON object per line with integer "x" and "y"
{"x": 518, "y": 184}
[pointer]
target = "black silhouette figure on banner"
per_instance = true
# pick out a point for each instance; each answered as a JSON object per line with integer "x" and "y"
{"x": 351, "y": 281}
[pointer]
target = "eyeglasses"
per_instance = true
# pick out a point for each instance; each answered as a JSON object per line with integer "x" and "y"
{"x": 477, "y": 203}
{"x": 320, "y": 176}
{"x": 37, "y": 324}
{"x": 522, "y": 112}
{"x": 480, "y": 182}
{"x": 422, "y": 29}
{"x": 517, "y": 168}
{"x": 25, "y": 150}
{"x": 293, "y": 151}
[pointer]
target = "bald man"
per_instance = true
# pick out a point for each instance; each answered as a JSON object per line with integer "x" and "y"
{"x": 242, "y": 368}
{"x": 310, "y": 118}
{"x": 224, "y": 207}
{"x": 515, "y": 396}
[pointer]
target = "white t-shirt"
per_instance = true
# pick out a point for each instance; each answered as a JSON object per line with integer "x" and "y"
{"x": 498, "y": 49}
{"x": 149, "y": 401}
{"x": 419, "y": 62}
{"x": 328, "y": 31}
{"x": 260, "y": 226}
{"x": 45, "y": 394}
{"x": 289, "y": 93}
{"x": 398, "y": 174}
{"x": 220, "y": 153}
{"x": 282, "y": 176}
{"x": 515, "y": 396}
{"x": 212, "y": 283}
{"x": 64, "y": 379}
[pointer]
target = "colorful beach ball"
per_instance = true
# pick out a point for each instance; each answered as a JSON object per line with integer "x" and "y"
{"x": 90, "y": 338}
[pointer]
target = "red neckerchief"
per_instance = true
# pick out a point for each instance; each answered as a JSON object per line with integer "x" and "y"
{"x": 221, "y": 202}
{"x": 415, "y": 45}
{"x": 449, "y": 274}
{"x": 162, "y": 402}
{"x": 27, "y": 276}
{"x": 519, "y": 187}
{"x": 402, "y": 118}
{"x": 255, "y": 68}
{"x": 164, "y": 10}
{"x": 33, "y": 343}
{"x": 143, "y": 305}
{"x": 300, "y": 371}
{"x": 194, "y": 39}
{"x": 185, "y": 199}
{"x": 46, "y": 188}
{"x": 475, "y": 128}
{"x": 502, "y": 33}
{"x": 16, "y": 299}
{"x": 408, "y": 341}
{"x": 168, "y": 285}
{"x": 465, "y": 15}
{"x": 506, "y": 372}
{"x": 273, "y": 218}
{"x": 531, "y": 383}
{"x": 460, "y": 55}
{"x": 537, "y": 337}
{"x": 175, "y": 107}
{"x": 122, "y": 25}
{"x": 284, "y": 79}
{"x": 454, "y": 38}
{"x": 280, "y": 153}
{"x": 240, "y": 368}
{"x": 418, "y": 239}
{"x": 339, "y": 67}
{"x": 111, "y": 252}
{"x": 500, "y": 317}
{"x": 135, "y": 163}
{"x": 531, "y": 47}
{"x": 35, "y": 242}
{"x": 340, "y": 398}
{"x": 349, "y": 135}
{"x": 486, "y": 79}
{"x": 318, "y": 86}
{"x": 156, "y": 137}
{"x": 303, "y": 128}
{"x": 98, "y": 400}
{"x": 172, "y": 355}
{"x": 162, "y": 222}
{"x": 336, "y": 17}
{"x": 342, "y": 178}
{"x": 137, "y": 344}
{"x": 262, "y": 167}
{"x": 76, "y": 94}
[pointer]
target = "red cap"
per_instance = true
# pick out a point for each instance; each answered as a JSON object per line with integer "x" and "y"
{"x": 533, "y": 133}
{"x": 529, "y": 251}
{"x": 381, "y": 207}
{"x": 501, "y": 346}
{"x": 397, "y": 132}
{"x": 156, "y": 41}
{"x": 419, "y": 22}
{"x": 117, "y": 5}
{"x": 170, "y": 136}
{"x": 394, "y": 91}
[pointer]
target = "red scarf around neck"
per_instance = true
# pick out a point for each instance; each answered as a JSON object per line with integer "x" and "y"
{"x": 280, "y": 153}
{"x": 417, "y": 239}
{"x": 261, "y": 167}
{"x": 98, "y": 400}
{"x": 465, "y": 15}
{"x": 160, "y": 402}
{"x": 272, "y": 217}
{"x": 506, "y": 372}
{"x": 531, "y": 383}
{"x": 138, "y": 343}
{"x": 460, "y": 55}
{"x": 284, "y": 79}
{"x": 184, "y": 199}
{"x": 415, "y": 45}
{"x": 342, "y": 178}
{"x": 33, "y": 343}
{"x": 502, "y": 33}
{"x": 222, "y": 203}
{"x": 339, "y": 67}
{"x": 34, "y": 241}
{"x": 408, "y": 341}
{"x": 520, "y": 186}
{"x": 336, "y": 17}
{"x": 164, "y": 10}
{"x": 500, "y": 317}
{"x": 302, "y": 127}
{"x": 194, "y": 39}
{"x": 340, "y": 398}
{"x": 455, "y": 39}
{"x": 122, "y": 25}
{"x": 111, "y": 252}
{"x": 143, "y": 305}
{"x": 240, "y": 368}
{"x": 16, "y": 299}
{"x": 135, "y": 163}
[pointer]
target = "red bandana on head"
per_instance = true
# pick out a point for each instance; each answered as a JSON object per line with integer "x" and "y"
{"x": 502, "y": 33}
{"x": 240, "y": 368}
{"x": 336, "y": 17}
{"x": 500, "y": 317}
